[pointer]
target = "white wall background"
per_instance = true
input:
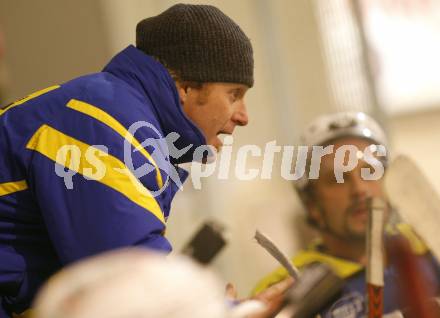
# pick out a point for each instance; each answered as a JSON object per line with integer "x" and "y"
{"x": 51, "y": 41}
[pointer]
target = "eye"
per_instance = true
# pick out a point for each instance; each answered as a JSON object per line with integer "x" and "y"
{"x": 235, "y": 95}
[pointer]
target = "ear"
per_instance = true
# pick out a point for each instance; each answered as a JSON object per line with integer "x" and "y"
{"x": 182, "y": 89}
{"x": 315, "y": 214}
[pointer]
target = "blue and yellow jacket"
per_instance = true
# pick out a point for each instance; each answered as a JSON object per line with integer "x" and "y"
{"x": 352, "y": 301}
{"x": 66, "y": 191}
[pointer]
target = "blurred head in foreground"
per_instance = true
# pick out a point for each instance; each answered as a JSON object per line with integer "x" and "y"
{"x": 131, "y": 283}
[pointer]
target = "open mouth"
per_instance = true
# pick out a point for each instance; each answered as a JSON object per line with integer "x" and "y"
{"x": 358, "y": 210}
{"x": 221, "y": 136}
{"x": 360, "y": 213}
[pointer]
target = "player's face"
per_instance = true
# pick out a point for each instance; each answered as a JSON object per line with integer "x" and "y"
{"x": 341, "y": 208}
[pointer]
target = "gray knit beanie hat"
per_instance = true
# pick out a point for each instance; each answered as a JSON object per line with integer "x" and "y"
{"x": 200, "y": 43}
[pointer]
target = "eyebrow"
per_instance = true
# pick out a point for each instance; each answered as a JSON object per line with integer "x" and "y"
{"x": 239, "y": 90}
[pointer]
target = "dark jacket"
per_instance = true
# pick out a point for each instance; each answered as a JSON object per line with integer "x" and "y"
{"x": 66, "y": 189}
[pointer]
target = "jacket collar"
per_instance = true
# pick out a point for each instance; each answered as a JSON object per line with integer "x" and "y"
{"x": 152, "y": 80}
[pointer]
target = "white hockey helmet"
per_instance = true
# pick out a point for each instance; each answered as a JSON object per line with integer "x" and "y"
{"x": 329, "y": 127}
{"x": 343, "y": 124}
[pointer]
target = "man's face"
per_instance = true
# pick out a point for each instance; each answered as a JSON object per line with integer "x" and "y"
{"x": 340, "y": 209}
{"x": 216, "y": 108}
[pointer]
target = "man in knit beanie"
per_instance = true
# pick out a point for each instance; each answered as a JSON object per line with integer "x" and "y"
{"x": 198, "y": 44}
{"x": 83, "y": 166}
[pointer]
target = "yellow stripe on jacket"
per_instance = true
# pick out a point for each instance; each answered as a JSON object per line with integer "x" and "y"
{"x": 111, "y": 122}
{"x": 29, "y": 97}
{"x": 52, "y": 143}
{"x": 12, "y": 187}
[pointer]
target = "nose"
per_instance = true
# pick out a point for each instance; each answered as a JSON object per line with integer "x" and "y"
{"x": 359, "y": 188}
{"x": 240, "y": 116}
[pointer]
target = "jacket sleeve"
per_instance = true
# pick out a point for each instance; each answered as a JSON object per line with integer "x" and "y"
{"x": 89, "y": 200}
